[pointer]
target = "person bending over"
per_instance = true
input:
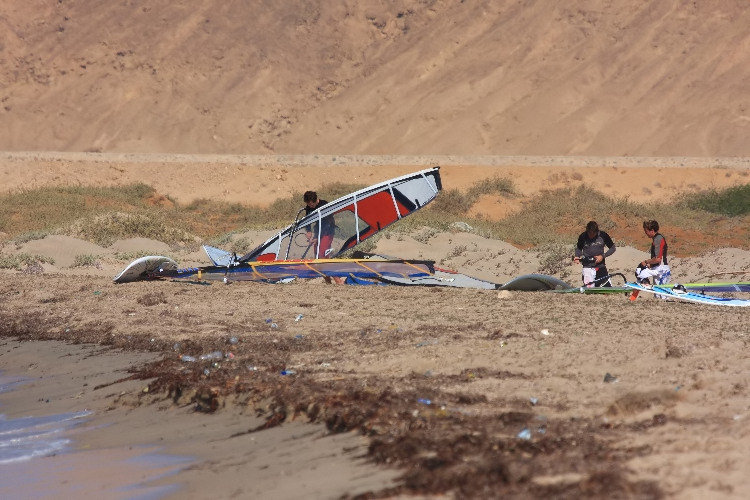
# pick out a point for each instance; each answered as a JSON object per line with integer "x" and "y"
{"x": 321, "y": 243}
{"x": 590, "y": 253}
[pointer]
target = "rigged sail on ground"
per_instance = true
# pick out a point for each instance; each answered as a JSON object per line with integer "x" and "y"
{"x": 356, "y": 217}
{"x": 159, "y": 267}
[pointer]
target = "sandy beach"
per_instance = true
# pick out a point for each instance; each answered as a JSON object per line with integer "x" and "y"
{"x": 491, "y": 364}
{"x": 363, "y": 392}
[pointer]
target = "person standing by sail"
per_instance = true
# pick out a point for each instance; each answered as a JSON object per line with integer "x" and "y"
{"x": 590, "y": 253}
{"x": 657, "y": 266}
{"x": 321, "y": 242}
{"x": 321, "y": 245}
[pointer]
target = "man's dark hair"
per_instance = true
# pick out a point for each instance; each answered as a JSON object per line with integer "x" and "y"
{"x": 310, "y": 196}
{"x": 592, "y": 227}
{"x": 651, "y": 225}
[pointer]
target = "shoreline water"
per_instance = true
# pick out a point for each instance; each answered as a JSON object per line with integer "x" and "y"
{"x": 126, "y": 450}
{"x": 41, "y": 455}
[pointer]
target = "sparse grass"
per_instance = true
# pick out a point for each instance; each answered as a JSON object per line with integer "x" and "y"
{"x": 554, "y": 259}
{"x": 424, "y": 234}
{"x": 26, "y": 237}
{"x": 452, "y": 202}
{"x": 19, "y": 261}
{"x": 732, "y": 202}
{"x": 457, "y": 251}
{"x": 496, "y": 185}
{"x": 103, "y": 215}
{"x": 456, "y": 202}
{"x": 47, "y": 208}
{"x": 86, "y": 260}
{"x": 559, "y": 216}
{"x": 105, "y": 229}
{"x": 229, "y": 242}
{"x": 240, "y": 246}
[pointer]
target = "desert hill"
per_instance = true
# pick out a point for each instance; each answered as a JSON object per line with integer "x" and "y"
{"x": 616, "y": 78}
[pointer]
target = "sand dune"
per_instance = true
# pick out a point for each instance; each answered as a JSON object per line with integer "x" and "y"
{"x": 654, "y": 78}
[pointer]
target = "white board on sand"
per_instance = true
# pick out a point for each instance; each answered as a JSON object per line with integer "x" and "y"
{"x": 672, "y": 292}
{"x": 141, "y": 268}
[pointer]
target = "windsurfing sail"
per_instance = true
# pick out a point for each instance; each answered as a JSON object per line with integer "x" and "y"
{"x": 353, "y": 218}
{"x": 279, "y": 271}
{"x": 449, "y": 278}
{"x": 445, "y": 278}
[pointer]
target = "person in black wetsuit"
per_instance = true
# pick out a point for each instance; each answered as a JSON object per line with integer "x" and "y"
{"x": 591, "y": 254}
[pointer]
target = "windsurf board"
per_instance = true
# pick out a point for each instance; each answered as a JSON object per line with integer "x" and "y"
{"x": 674, "y": 292}
{"x": 141, "y": 268}
{"x": 534, "y": 283}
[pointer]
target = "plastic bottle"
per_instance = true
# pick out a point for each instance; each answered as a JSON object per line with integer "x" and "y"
{"x": 288, "y": 372}
{"x": 212, "y": 355}
{"x": 524, "y": 434}
{"x": 185, "y": 357}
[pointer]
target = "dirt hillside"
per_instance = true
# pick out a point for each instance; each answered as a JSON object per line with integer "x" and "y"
{"x": 620, "y": 78}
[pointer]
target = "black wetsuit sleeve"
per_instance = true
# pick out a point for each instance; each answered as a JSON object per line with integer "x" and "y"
{"x": 579, "y": 245}
{"x": 308, "y": 227}
{"x": 609, "y": 243}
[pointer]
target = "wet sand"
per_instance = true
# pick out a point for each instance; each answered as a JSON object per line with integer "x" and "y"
{"x": 127, "y": 449}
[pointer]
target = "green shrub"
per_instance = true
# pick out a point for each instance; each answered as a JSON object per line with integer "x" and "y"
{"x": 495, "y": 185}
{"x": 732, "y": 201}
{"x": 554, "y": 258}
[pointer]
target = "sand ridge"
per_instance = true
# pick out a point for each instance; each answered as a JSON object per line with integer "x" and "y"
{"x": 258, "y": 180}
